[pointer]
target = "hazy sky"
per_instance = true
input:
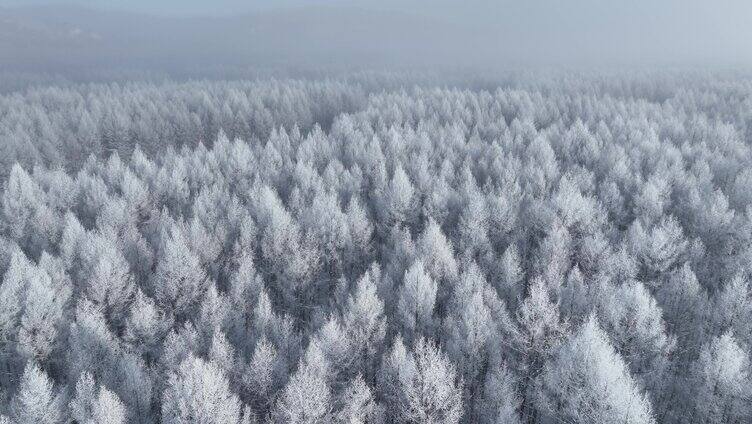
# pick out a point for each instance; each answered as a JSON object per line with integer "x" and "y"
{"x": 176, "y": 7}
{"x": 548, "y": 32}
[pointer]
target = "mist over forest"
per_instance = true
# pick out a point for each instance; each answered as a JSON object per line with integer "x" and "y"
{"x": 324, "y": 211}
{"x": 196, "y": 39}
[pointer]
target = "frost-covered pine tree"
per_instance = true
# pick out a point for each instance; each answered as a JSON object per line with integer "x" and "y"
{"x": 92, "y": 406}
{"x": 417, "y": 301}
{"x": 179, "y": 280}
{"x": 36, "y": 400}
{"x": 721, "y": 382}
{"x": 431, "y": 389}
{"x": 588, "y": 382}
{"x": 198, "y": 392}
{"x": 307, "y": 398}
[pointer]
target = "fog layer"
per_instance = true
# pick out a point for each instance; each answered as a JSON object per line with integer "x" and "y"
{"x": 171, "y": 35}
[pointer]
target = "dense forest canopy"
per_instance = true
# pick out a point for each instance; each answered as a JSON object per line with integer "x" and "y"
{"x": 378, "y": 248}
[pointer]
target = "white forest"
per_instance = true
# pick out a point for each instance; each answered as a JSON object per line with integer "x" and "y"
{"x": 378, "y": 248}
